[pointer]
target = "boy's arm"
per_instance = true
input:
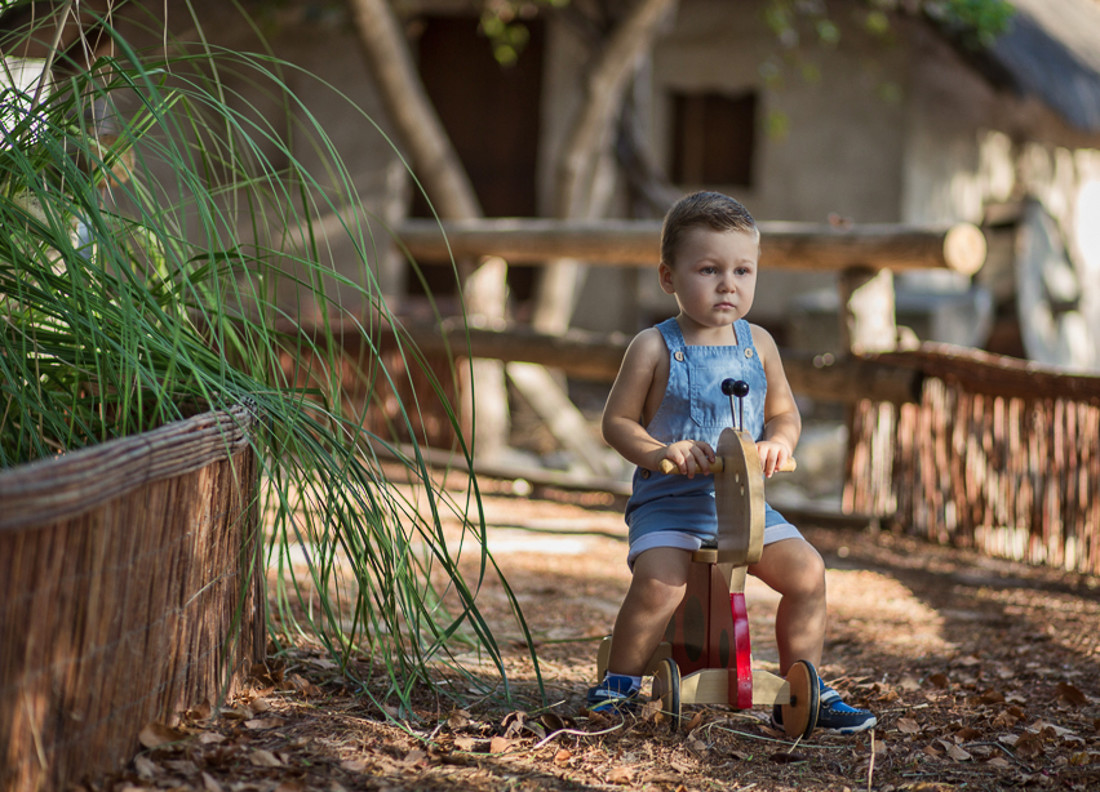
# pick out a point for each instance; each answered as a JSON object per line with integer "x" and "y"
{"x": 782, "y": 420}
{"x": 622, "y": 422}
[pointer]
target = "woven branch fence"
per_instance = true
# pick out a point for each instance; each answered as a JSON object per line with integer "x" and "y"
{"x": 130, "y": 590}
{"x": 999, "y": 454}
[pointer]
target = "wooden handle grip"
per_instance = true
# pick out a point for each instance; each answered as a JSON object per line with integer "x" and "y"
{"x": 667, "y": 466}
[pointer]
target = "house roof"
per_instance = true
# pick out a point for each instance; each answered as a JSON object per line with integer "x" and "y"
{"x": 1052, "y": 51}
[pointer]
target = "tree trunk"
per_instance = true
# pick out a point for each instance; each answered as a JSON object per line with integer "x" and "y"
{"x": 407, "y": 104}
{"x": 607, "y": 81}
{"x": 440, "y": 170}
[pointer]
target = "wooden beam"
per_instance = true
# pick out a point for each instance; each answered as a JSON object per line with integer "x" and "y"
{"x": 635, "y": 243}
{"x": 596, "y": 357}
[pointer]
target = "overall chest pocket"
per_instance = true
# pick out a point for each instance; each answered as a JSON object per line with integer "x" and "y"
{"x": 710, "y": 408}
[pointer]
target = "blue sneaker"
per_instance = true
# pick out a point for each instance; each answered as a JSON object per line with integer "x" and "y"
{"x": 834, "y": 714}
{"x": 615, "y": 693}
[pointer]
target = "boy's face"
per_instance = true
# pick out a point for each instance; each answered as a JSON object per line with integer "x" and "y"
{"x": 714, "y": 275}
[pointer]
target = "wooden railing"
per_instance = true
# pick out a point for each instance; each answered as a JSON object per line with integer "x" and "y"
{"x": 636, "y": 243}
{"x": 997, "y": 453}
{"x": 957, "y": 445}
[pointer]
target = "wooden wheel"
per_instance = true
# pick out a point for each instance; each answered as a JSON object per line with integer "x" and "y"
{"x": 666, "y": 689}
{"x": 800, "y": 715}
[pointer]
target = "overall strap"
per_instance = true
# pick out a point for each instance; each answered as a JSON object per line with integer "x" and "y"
{"x": 670, "y": 331}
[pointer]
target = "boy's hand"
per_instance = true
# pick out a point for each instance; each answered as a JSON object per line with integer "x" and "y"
{"x": 689, "y": 456}
{"x": 773, "y": 455}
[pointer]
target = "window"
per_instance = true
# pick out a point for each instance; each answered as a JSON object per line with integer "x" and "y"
{"x": 713, "y": 138}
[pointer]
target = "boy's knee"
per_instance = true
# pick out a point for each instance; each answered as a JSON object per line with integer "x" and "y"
{"x": 656, "y": 594}
{"x": 806, "y": 578}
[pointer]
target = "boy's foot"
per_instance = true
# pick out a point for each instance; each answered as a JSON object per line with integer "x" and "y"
{"x": 834, "y": 714}
{"x": 614, "y": 693}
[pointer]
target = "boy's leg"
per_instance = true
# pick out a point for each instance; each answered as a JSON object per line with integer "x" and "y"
{"x": 794, "y": 568}
{"x": 656, "y": 588}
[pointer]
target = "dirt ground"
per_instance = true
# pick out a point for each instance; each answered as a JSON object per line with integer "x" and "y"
{"x": 984, "y": 675}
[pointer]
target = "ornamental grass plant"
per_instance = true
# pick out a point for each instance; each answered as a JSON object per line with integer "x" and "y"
{"x": 154, "y": 222}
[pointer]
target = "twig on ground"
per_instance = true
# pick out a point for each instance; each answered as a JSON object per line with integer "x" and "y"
{"x": 574, "y": 732}
{"x": 765, "y": 738}
{"x": 871, "y": 763}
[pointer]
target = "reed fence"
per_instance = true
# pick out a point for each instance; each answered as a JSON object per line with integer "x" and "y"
{"x": 998, "y": 454}
{"x": 130, "y": 590}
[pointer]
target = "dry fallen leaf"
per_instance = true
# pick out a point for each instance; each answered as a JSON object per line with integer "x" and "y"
{"x": 653, "y": 711}
{"x": 695, "y": 745}
{"x": 467, "y": 744}
{"x": 1048, "y": 729}
{"x": 991, "y": 696}
{"x": 458, "y": 719}
{"x": 908, "y": 726}
{"x": 563, "y": 756}
{"x": 259, "y": 724}
{"x": 499, "y": 745}
{"x": 263, "y": 758}
{"x": 210, "y": 784}
{"x": 182, "y": 766}
{"x": 146, "y": 768}
{"x": 552, "y": 721}
{"x": 621, "y": 775}
{"x": 304, "y": 686}
{"x": 200, "y": 712}
{"x": 1028, "y": 746}
{"x": 157, "y": 734}
{"x": 958, "y": 753}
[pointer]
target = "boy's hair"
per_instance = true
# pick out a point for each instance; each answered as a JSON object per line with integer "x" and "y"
{"x": 711, "y": 209}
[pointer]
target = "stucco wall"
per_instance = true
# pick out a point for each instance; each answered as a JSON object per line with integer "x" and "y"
{"x": 830, "y": 125}
{"x": 323, "y": 49}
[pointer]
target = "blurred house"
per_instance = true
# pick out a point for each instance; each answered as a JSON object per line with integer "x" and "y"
{"x": 842, "y": 119}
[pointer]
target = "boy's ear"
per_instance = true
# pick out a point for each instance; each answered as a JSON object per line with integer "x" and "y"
{"x": 664, "y": 276}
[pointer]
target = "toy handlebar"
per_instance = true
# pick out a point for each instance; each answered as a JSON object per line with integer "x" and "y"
{"x": 667, "y": 466}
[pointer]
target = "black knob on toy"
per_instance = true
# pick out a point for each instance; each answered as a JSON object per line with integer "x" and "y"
{"x": 739, "y": 389}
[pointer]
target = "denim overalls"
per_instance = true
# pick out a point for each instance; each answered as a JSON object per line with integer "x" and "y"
{"x": 670, "y": 510}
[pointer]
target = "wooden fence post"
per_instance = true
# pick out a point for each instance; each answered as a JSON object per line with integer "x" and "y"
{"x": 867, "y": 317}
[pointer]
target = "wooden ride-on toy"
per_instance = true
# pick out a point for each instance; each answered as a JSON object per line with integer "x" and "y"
{"x": 706, "y": 656}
